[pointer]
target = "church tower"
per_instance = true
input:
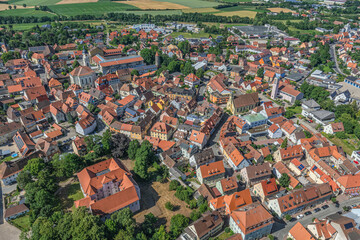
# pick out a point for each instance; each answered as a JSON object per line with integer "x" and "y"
{"x": 85, "y": 58}
{"x": 275, "y": 88}
{"x": 157, "y": 60}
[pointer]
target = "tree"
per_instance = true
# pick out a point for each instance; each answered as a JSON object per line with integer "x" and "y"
{"x": 288, "y": 217}
{"x": 54, "y": 57}
{"x": 195, "y": 215}
{"x": 91, "y": 107}
{"x": 14, "y": 6}
{"x": 185, "y": 47}
{"x": 9, "y": 55}
{"x": 178, "y": 223}
{"x": 67, "y": 165}
{"x": 173, "y": 185}
{"x": 70, "y": 118}
{"x": 187, "y": 69}
{"x": 260, "y": 72}
{"x": 35, "y": 165}
{"x": 134, "y": 145}
{"x": 23, "y": 179}
{"x": 169, "y": 206}
{"x": 307, "y": 134}
{"x": 357, "y": 132}
{"x": 135, "y": 72}
{"x": 289, "y": 114}
{"x": 148, "y": 55}
{"x": 284, "y": 143}
{"x": 106, "y": 141}
{"x": 124, "y": 220}
{"x": 161, "y": 234}
{"x": 10, "y": 7}
{"x": 75, "y": 64}
{"x": 148, "y": 224}
{"x": 284, "y": 180}
{"x": 200, "y": 73}
{"x": 120, "y": 145}
{"x": 24, "y": 5}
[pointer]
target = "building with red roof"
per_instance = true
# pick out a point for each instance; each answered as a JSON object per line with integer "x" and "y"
{"x": 211, "y": 173}
{"x": 108, "y": 187}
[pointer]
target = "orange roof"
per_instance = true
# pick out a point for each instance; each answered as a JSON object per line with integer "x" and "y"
{"x": 212, "y": 169}
{"x": 14, "y": 88}
{"x": 54, "y": 134}
{"x": 123, "y": 61}
{"x": 350, "y": 181}
{"x": 197, "y": 136}
{"x": 237, "y": 200}
{"x": 54, "y": 83}
{"x": 291, "y": 152}
{"x": 250, "y": 220}
{"x": 299, "y": 232}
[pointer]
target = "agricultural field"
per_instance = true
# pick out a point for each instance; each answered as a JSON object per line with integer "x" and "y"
{"x": 28, "y": 12}
{"x": 33, "y": 2}
{"x": 278, "y": 10}
{"x": 200, "y": 10}
{"x": 150, "y": 4}
{"x": 193, "y": 3}
{"x": 250, "y": 14}
{"x": 97, "y": 8}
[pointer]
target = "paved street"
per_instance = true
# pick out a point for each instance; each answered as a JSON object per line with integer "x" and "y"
{"x": 281, "y": 230}
{"x": 7, "y": 231}
{"x": 334, "y": 59}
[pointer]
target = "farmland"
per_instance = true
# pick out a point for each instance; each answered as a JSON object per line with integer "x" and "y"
{"x": 96, "y": 9}
{"x": 25, "y": 13}
{"x": 250, "y": 14}
{"x": 149, "y": 4}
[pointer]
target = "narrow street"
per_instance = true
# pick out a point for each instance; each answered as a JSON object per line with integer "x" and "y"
{"x": 280, "y": 230}
{"x": 334, "y": 59}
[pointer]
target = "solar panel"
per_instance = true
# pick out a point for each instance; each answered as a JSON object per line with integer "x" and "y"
{"x": 314, "y": 168}
{"x": 348, "y": 225}
{"x": 301, "y": 167}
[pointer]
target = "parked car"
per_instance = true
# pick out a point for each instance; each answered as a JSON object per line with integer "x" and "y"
{"x": 300, "y": 216}
{"x": 325, "y": 207}
{"x": 308, "y": 213}
{"x": 317, "y": 210}
{"x": 337, "y": 204}
{"x": 339, "y": 212}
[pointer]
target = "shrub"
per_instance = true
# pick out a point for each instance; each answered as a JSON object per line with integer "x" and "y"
{"x": 169, "y": 206}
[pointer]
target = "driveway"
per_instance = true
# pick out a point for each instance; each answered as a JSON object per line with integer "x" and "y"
{"x": 281, "y": 230}
{"x": 7, "y": 231}
{"x": 334, "y": 59}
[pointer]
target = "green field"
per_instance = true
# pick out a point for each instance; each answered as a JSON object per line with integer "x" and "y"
{"x": 97, "y": 8}
{"x": 192, "y": 3}
{"x": 235, "y": 1}
{"x": 242, "y": 8}
{"x": 34, "y": 2}
{"x": 30, "y": 12}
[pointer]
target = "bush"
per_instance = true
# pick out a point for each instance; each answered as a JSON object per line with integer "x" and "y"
{"x": 169, "y": 206}
{"x": 341, "y": 135}
{"x": 288, "y": 217}
{"x": 227, "y": 229}
{"x": 173, "y": 185}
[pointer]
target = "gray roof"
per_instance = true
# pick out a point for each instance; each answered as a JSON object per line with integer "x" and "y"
{"x": 311, "y": 103}
{"x": 323, "y": 114}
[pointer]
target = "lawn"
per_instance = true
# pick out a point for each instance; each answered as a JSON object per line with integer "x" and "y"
{"x": 69, "y": 194}
{"x": 344, "y": 143}
{"x": 193, "y": 3}
{"x": 296, "y": 109}
{"x": 23, "y": 222}
{"x": 243, "y": 8}
{"x": 24, "y": 26}
{"x": 30, "y": 12}
{"x": 97, "y": 8}
{"x": 224, "y": 235}
{"x": 235, "y": 1}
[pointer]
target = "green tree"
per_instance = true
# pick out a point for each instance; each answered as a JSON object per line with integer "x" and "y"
{"x": 357, "y": 132}
{"x": 200, "y": 73}
{"x": 148, "y": 224}
{"x": 178, "y": 223}
{"x": 135, "y": 72}
{"x": 10, "y": 55}
{"x": 169, "y": 206}
{"x": 284, "y": 180}
{"x": 260, "y": 72}
{"x": 24, "y": 178}
{"x": 195, "y": 215}
{"x": 134, "y": 145}
{"x": 54, "y": 57}
{"x": 284, "y": 143}
{"x": 288, "y": 217}
{"x": 124, "y": 220}
{"x": 187, "y": 69}
{"x": 106, "y": 141}
{"x": 75, "y": 64}
{"x": 173, "y": 185}
{"x": 67, "y": 165}
{"x": 148, "y": 55}
{"x": 35, "y": 165}
{"x": 185, "y": 47}
{"x": 161, "y": 234}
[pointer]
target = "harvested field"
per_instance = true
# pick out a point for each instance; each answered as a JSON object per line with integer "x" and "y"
{"x": 75, "y": 1}
{"x": 150, "y": 4}
{"x": 278, "y": 10}
{"x": 6, "y": 7}
{"x": 250, "y": 14}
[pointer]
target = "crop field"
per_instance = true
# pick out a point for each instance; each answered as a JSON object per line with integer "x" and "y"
{"x": 25, "y": 13}
{"x": 243, "y": 8}
{"x": 278, "y": 10}
{"x": 245, "y": 13}
{"x": 96, "y": 8}
{"x": 200, "y": 10}
{"x": 33, "y": 2}
{"x": 150, "y": 4}
{"x": 193, "y": 3}
{"x": 6, "y": 6}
